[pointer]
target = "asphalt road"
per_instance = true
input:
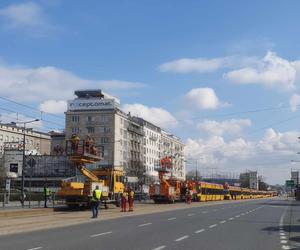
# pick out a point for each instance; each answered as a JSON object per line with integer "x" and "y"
{"x": 254, "y": 224}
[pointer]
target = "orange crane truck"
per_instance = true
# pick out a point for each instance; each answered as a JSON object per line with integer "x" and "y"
{"x": 109, "y": 180}
{"x": 168, "y": 190}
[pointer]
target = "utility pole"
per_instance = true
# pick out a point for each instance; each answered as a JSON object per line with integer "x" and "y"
{"x": 196, "y": 170}
{"x": 23, "y": 162}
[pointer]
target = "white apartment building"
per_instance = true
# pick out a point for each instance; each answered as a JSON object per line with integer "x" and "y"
{"x": 128, "y": 142}
{"x": 151, "y": 147}
{"x": 171, "y": 145}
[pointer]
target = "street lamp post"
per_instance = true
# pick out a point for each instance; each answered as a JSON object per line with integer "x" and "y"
{"x": 23, "y": 161}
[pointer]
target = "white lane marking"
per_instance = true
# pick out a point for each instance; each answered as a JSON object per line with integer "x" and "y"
{"x": 237, "y": 216}
{"x": 286, "y": 247}
{"x": 96, "y": 235}
{"x": 242, "y": 214}
{"x": 172, "y": 218}
{"x": 231, "y": 218}
{"x": 199, "y": 231}
{"x": 159, "y": 248}
{"x": 283, "y": 237}
{"x": 146, "y": 224}
{"x": 214, "y": 225}
{"x": 204, "y": 212}
{"x": 282, "y": 234}
{"x": 223, "y": 221}
{"x": 283, "y": 241}
{"x": 35, "y": 248}
{"x": 190, "y": 215}
{"x": 182, "y": 238}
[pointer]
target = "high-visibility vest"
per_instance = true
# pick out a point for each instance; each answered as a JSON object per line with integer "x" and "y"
{"x": 96, "y": 195}
{"x": 131, "y": 194}
{"x": 46, "y": 191}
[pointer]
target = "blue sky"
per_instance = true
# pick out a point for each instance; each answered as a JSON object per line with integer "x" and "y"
{"x": 243, "y": 55}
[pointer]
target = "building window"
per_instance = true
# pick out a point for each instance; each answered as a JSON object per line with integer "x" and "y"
{"x": 104, "y": 118}
{"x": 104, "y": 130}
{"x": 104, "y": 139}
{"x": 90, "y": 118}
{"x": 75, "y": 118}
{"x": 90, "y": 130}
{"x": 75, "y": 130}
{"x": 105, "y": 152}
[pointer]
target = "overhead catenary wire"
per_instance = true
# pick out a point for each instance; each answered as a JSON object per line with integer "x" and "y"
{"x": 30, "y": 107}
{"x": 30, "y": 116}
{"x": 43, "y": 127}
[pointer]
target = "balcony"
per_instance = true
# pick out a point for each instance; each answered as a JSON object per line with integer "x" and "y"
{"x": 136, "y": 130}
{"x": 153, "y": 137}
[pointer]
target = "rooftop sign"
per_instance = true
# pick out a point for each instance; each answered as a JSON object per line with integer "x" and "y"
{"x": 91, "y": 104}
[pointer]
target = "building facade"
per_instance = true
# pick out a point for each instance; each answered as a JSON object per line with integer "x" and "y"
{"x": 171, "y": 145}
{"x": 130, "y": 143}
{"x": 249, "y": 179}
{"x": 151, "y": 148}
{"x": 35, "y": 141}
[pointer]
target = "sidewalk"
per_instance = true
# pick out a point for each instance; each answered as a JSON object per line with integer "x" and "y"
{"x": 291, "y": 224}
{"x": 18, "y": 205}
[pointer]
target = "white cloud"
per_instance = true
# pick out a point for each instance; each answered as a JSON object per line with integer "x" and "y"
{"x": 233, "y": 126}
{"x": 203, "y": 65}
{"x": 203, "y": 98}
{"x": 294, "y": 102}
{"x": 158, "y": 116}
{"x": 272, "y": 71}
{"x": 23, "y": 15}
{"x": 188, "y": 65}
{"x": 54, "y": 106}
{"x": 19, "y": 118}
{"x": 270, "y": 155}
{"x": 51, "y": 83}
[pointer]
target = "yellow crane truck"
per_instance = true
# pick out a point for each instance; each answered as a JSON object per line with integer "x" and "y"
{"x": 109, "y": 179}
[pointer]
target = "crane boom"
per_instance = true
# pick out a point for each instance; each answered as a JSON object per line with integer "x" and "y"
{"x": 87, "y": 173}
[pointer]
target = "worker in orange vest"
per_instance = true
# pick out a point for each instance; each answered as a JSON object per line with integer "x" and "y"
{"x": 130, "y": 200}
{"x": 124, "y": 201}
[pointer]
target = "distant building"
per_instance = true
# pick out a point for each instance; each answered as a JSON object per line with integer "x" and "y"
{"x": 249, "y": 179}
{"x": 58, "y": 143}
{"x": 171, "y": 145}
{"x": 295, "y": 176}
{"x": 37, "y": 141}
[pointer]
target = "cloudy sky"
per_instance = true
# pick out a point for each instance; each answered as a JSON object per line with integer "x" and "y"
{"x": 222, "y": 75}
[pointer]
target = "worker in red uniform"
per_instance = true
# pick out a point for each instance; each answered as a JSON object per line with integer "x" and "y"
{"x": 130, "y": 200}
{"x": 124, "y": 201}
{"x": 188, "y": 197}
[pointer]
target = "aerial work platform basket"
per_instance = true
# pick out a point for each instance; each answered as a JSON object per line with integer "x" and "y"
{"x": 84, "y": 151}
